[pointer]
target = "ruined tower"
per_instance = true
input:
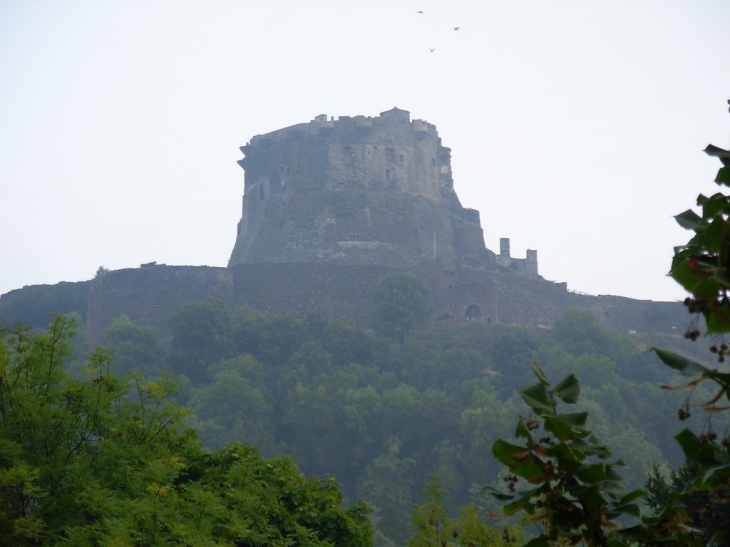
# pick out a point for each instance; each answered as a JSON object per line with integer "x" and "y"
{"x": 356, "y": 190}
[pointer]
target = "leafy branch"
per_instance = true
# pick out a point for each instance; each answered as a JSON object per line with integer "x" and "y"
{"x": 575, "y": 494}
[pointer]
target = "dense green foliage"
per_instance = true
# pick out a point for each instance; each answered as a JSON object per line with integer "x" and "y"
{"x": 577, "y": 499}
{"x": 102, "y": 460}
{"x": 435, "y": 528}
{"x": 400, "y": 305}
{"x": 569, "y": 490}
{"x": 703, "y": 510}
{"x": 382, "y": 416}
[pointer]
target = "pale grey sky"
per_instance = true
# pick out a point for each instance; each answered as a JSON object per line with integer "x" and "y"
{"x": 576, "y": 127}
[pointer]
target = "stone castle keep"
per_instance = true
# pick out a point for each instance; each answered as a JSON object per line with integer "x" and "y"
{"x": 375, "y": 191}
{"x": 328, "y": 208}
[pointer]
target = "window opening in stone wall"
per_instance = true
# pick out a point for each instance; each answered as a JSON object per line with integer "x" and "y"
{"x": 387, "y": 175}
{"x": 347, "y": 155}
{"x": 433, "y": 162}
{"x": 261, "y": 192}
{"x": 401, "y": 158}
{"x": 390, "y": 154}
{"x": 281, "y": 169}
{"x": 473, "y": 313}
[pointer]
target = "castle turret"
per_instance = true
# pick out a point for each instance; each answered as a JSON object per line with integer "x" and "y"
{"x": 356, "y": 190}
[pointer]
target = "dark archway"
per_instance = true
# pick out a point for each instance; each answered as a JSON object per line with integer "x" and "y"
{"x": 473, "y": 313}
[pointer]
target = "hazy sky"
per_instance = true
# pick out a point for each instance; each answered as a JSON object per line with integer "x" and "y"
{"x": 576, "y": 127}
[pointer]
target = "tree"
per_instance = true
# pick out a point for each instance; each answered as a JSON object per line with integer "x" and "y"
{"x": 434, "y": 528}
{"x": 102, "y": 460}
{"x": 399, "y": 305}
{"x": 704, "y": 513}
{"x": 575, "y": 496}
{"x": 572, "y": 496}
{"x": 135, "y": 348}
{"x": 235, "y": 406}
{"x": 387, "y": 487}
{"x": 201, "y": 337}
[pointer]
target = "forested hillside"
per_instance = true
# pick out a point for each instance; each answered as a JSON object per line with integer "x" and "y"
{"x": 88, "y": 458}
{"x": 386, "y": 410}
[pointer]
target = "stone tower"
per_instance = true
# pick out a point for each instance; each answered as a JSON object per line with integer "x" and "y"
{"x": 356, "y": 190}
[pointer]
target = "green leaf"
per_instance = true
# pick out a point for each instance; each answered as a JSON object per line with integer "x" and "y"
{"x": 539, "y": 373}
{"x": 509, "y": 454}
{"x": 685, "y": 366}
{"x": 629, "y": 509}
{"x": 538, "y": 399}
{"x": 713, "y": 206}
{"x": 718, "y": 478}
{"x": 593, "y": 446}
{"x": 613, "y": 476}
{"x": 614, "y": 488}
{"x": 501, "y": 496}
{"x": 707, "y": 288}
{"x": 568, "y": 459}
{"x": 532, "y": 472}
{"x": 591, "y": 496}
{"x": 592, "y": 474}
{"x": 633, "y": 495}
{"x": 515, "y": 506}
{"x": 559, "y": 428}
{"x": 695, "y": 450}
{"x": 577, "y": 420}
{"x": 691, "y": 221}
{"x": 684, "y": 275}
{"x": 568, "y": 389}
{"x": 721, "y": 276}
{"x": 718, "y": 152}
{"x": 718, "y": 323}
{"x": 715, "y": 234}
{"x": 522, "y": 430}
{"x": 723, "y": 176}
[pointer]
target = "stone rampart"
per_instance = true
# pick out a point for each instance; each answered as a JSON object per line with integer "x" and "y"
{"x": 149, "y": 295}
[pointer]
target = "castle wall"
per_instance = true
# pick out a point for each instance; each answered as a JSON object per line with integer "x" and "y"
{"x": 149, "y": 295}
{"x": 354, "y": 191}
{"x": 33, "y": 305}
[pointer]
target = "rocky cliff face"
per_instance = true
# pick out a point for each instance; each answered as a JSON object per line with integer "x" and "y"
{"x": 357, "y": 190}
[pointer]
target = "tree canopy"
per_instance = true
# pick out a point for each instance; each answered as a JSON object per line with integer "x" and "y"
{"x": 400, "y": 304}
{"x": 105, "y": 460}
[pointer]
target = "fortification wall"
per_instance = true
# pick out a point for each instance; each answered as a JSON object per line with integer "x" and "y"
{"x": 356, "y": 190}
{"x": 33, "y": 305}
{"x": 149, "y": 295}
{"x": 345, "y": 292}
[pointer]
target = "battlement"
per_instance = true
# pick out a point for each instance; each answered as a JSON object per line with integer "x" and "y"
{"x": 395, "y": 118}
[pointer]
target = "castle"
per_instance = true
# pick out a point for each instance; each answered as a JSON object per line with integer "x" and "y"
{"x": 358, "y": 190}
{"x": 330, "y": 206}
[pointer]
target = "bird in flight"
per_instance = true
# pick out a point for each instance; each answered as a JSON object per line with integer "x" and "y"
{"x": 420, "y": 12}
{"x": 432, "y": 50}
{"x": 457, "y": 28}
